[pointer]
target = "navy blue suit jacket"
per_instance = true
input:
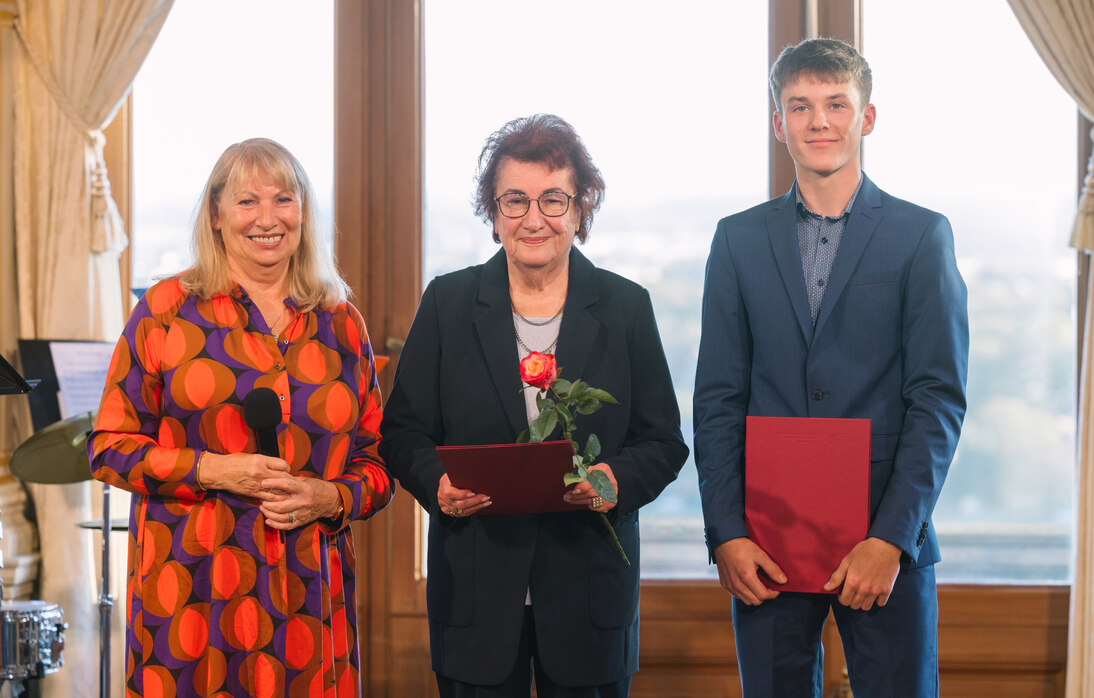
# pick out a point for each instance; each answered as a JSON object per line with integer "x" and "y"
{"x": 457, "y": 383}
{"x": 890, "y": 344}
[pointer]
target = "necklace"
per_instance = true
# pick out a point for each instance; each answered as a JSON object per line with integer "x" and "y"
{"x": 538, "y": 324}
{"x": 520, "y": 340}
{"x": 278, "y": 320}
{"x": 273, "y": 327}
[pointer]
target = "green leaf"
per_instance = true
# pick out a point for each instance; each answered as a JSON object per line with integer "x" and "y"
{"x": 563, "y": 411}
{"x": 523, "y": 437}
{"x": 592, "y": 447}
{"x": 542, "y": 426}
{"x": 588, "y": 406}
{"x": 602, "y": 395}
{"x": 566, "y": 417}
{"x": 572, "y": 478}
{"x": 544, "y": 403}
{"x": 561, "y": 386}
{"x": 603, "y": 486}
{"x": 578, "y": 389}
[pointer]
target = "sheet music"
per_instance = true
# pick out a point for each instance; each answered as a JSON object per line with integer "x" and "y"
{"x": 81, "y": 369}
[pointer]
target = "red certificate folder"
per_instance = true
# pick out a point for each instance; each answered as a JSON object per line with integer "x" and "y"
{"x": 807, "y": 494}
{"x": 520, "y": 478}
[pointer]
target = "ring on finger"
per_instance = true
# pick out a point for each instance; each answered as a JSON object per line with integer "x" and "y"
{"x": 456, "y": 511}
{"x": 292, "y": 517}
{"x": 597, "y": 502}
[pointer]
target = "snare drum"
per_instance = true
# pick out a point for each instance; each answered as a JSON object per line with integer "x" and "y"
{"x": 32, "y": 634}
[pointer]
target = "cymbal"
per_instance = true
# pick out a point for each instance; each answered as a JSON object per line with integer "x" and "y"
{"x": 56, "y": 454}
{"x": 121, "y": 524}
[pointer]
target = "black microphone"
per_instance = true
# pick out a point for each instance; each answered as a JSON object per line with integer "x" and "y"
{"x": 262, "y": 412}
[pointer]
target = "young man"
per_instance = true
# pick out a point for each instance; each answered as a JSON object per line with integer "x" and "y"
{"x": 834, "y": 300}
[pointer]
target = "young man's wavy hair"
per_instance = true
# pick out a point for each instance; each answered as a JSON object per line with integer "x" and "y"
{"x": 827, "y": 60}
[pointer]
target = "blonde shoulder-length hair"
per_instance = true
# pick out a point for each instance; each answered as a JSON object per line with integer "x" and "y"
{"x": 314, "y": 280}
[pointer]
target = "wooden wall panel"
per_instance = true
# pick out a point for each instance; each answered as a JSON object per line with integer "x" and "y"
{"x": 1007, "y": 684}
{"x": 410, "y": 648}
{"x": 993, "y": 641}
{"x": 662, "y": 682}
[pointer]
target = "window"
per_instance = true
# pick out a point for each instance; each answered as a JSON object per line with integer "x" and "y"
{"x": 977, "y": 128}
{"x": 680, "y": 143}
{"x": 683, "y": 142}
{"x": 221, "y": 72}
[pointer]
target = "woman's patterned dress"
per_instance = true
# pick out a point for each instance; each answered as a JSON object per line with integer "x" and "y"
{"x": 220, "y": 604}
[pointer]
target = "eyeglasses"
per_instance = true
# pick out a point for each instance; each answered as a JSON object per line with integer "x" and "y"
{"x": 551, "y": 203}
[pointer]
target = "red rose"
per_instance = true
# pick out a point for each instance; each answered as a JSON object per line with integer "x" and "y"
{"x": 539, "y": 370}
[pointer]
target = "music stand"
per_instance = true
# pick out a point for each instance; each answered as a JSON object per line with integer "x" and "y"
{"x": 11, "y": 383}
{"x": 106, "y": 599}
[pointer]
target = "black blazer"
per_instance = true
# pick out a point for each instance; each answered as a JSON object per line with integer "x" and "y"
{"x": 458, "y": 383}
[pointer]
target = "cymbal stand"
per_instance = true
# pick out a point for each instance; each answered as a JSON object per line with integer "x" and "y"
{"x": 106, "y": 602}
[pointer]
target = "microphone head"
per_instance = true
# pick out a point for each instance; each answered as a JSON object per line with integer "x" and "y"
{"x": 261, "y": 409}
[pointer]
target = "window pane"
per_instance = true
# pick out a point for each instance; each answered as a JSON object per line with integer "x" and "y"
{"x": 221, "y": 72}
{"x": 980, "y": 131}
{"x": 673, "y": 107}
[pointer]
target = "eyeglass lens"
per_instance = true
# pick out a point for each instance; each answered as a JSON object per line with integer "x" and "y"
{"x": 552, "y": 203}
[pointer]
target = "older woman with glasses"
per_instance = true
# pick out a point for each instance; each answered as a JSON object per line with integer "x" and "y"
{"x": 541, "y": 595}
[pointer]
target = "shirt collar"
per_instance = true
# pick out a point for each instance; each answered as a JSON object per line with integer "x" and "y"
{"x": 804, "y": 212}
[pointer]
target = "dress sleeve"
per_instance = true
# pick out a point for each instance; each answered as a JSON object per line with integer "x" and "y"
{"x": 364, "y": 485}
{"x": 124, "y": 447}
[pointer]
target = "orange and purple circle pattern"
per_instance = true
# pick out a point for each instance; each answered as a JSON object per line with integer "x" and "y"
{"x": 218, "y": 603}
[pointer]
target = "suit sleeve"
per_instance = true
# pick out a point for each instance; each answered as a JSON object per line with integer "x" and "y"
{"x": 720, "y": 401}
{"x": 654, "y": 449}
{"x": 935, "y": 345}
{"x": 412, "y": 425}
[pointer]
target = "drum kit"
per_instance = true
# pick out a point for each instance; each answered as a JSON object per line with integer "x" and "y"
{"x": 32, "y": 633}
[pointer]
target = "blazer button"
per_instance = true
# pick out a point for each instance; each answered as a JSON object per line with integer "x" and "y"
{"x": 817, "y": 395}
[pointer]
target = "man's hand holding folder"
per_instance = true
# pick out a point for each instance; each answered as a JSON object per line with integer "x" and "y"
{"x": 739, "y": 562}
{"x": 867, "y": 574}
{"x": 807, "y": 489}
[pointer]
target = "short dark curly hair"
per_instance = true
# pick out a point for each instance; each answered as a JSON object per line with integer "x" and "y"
{"x": 544, "y": 139}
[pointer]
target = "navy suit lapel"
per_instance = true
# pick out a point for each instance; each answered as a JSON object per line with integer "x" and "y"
{"x": 579, "y": 326}
{"x": 493, "y": 320}
{"x": 863, "y": 221}
{"x": 782, "y": 231}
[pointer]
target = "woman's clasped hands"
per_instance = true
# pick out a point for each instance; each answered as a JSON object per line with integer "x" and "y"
{"x": 287, "y": 501}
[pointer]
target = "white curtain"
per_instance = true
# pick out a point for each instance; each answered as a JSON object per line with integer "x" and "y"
{"x": 1063, "y": 33}
{"x": 73, "y": 68}
{"x": 77, "y": 62}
